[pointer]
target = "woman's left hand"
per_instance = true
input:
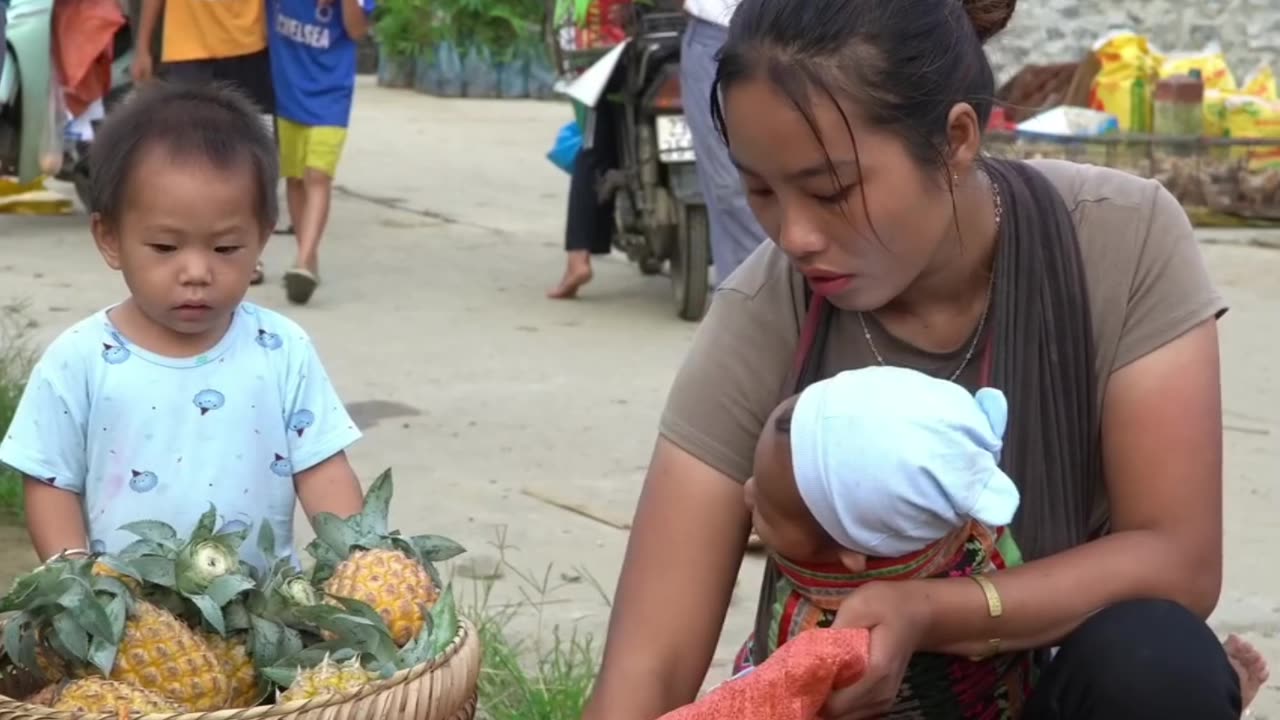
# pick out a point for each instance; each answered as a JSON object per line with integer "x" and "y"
{"x": 897, "y": 614}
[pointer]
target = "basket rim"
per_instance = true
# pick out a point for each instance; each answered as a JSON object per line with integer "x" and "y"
{"x": 466, "y": 635}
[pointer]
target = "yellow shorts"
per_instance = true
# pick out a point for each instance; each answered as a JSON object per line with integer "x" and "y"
{"x": 304, "y": 147}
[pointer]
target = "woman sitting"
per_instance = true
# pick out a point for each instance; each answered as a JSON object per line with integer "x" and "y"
{"x": 1079, "y": 291}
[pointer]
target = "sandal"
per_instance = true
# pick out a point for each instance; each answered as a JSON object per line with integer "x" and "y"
{"x": 258, "y": 276}
{"x": 299, "y": 285}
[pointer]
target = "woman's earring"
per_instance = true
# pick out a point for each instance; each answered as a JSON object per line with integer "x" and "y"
{"x": 955, "y": 180}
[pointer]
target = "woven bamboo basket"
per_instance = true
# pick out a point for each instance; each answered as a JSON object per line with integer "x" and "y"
{"x": 442, "y": 689}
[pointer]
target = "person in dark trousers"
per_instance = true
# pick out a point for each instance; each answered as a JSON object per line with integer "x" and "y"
{"x": 589, "y": 225}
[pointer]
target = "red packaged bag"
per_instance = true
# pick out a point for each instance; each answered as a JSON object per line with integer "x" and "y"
{"x": 793, "y": 684}
{"x": 604, "y": 25}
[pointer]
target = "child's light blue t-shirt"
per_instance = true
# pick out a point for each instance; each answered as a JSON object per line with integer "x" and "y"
{"x": 144, "y": 437}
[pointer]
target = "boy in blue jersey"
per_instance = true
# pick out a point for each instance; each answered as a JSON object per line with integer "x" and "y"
{"x": 313, "y": 64}
{"x": 182, "y": 395}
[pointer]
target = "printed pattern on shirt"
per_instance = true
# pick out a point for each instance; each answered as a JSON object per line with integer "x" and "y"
{"x": 142, "y": 437}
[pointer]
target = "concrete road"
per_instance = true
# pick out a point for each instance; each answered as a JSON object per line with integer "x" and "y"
{"x": 494, "y": 405}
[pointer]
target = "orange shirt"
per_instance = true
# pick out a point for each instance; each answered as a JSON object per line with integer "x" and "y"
{"x": 213, "y": 29}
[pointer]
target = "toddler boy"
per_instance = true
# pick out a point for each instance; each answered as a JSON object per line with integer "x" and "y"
{"x": 181, "y": 395}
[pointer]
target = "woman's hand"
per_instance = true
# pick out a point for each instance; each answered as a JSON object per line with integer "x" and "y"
{"x": 897, "y": 614}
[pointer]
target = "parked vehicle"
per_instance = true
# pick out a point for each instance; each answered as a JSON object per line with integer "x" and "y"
{"x": 660, "y": 214}
{"x": 32, "y": 115}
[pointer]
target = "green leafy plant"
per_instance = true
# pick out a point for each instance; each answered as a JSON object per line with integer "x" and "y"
{"x": 16, "y": 361}
{"x": 407, "y": 28}
{"x": 499, "y": 27}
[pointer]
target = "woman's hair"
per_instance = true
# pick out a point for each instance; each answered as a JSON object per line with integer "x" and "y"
{"x": 904, "y": 63}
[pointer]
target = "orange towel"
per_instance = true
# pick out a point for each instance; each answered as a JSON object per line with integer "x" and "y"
{"x": 793, "y": 684}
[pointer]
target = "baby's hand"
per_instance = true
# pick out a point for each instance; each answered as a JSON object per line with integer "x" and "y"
{"x": 854, "y": 562}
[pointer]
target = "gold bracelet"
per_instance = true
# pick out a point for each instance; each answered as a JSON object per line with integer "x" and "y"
{"x": 995, "y": 608}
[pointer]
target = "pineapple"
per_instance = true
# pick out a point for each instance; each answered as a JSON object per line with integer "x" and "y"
{"x": 385, "y": 603}
{"x": 161, "y": 653}
{"x": 87, "y": 624}
{"x": 96, "y": 695}
{"x": 328, "y": 678}
{"x": 233, "y": 656}
{"x": 203, "y": 581}
{"x": 294, "y": 627}
{"x": 102, "y": 569}
{"x": 397, "y": 587}
{"x": 359, "y": 559}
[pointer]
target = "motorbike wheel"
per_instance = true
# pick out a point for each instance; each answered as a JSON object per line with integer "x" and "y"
{"x": 691, "y": 263}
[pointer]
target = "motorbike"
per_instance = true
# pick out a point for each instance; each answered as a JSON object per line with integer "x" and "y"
{"x": 33, "y": 119}
{"x": 660, "y": 215}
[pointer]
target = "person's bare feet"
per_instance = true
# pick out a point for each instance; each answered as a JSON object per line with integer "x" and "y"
{"x": 1249, "y": 664}
{"x": 576, "y": 274}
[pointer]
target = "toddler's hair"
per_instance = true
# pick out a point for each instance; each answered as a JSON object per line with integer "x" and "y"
{"x": 213, "y": 123}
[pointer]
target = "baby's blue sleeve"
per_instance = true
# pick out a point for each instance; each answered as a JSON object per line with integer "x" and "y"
{"x": 316, "y": 420}
{"x": 46, "y": 440}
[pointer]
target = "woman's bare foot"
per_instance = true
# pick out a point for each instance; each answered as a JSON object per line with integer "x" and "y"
{"x": 1249, "y": 664}
{"x": 576, "y": 274}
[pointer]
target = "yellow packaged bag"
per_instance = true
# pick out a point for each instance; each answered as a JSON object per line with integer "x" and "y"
{"x": 1215, "y": 113}
{"x": 1261, "y": 82}
{"x": 1212, "y": 64}
{"x": 1126, "y": 80}
{"x": 1250, "y": 117}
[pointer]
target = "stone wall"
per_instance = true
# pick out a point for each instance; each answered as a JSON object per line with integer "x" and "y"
{"x": 1048, "y": 31}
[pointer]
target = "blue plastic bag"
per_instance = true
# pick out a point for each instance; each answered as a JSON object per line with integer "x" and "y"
{"x": 567, "y": 146}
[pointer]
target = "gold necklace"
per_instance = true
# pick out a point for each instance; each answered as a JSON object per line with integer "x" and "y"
{"x": 986, "y": 308}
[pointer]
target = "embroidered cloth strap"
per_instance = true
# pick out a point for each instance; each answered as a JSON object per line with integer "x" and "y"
{"x": 936, "y": 687}
{"x": 971, "y": 549}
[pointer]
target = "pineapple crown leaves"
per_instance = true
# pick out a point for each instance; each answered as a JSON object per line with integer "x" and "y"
{"x": 353, "y": 628}
{"x": 270, "y": 642}
{"x": 277, "y": 627}
{"x": 203, "y": 571}
{"x": 354, "y": 624}
{"x": 336, "y": 537}
{"x": 68, "y": 609}
{"x": 437, "y": 634}
{"x": 286, "y": 673}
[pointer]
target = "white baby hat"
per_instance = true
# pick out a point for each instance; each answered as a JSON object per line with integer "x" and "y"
{"x": 890, "y": 460}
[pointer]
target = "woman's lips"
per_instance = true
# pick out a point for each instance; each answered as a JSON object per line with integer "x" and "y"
{"x": 828, "y": 285}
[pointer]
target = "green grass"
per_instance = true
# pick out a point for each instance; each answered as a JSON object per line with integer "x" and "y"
{"x": 547, "y": 676}
{"x": 16, "y": 358}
